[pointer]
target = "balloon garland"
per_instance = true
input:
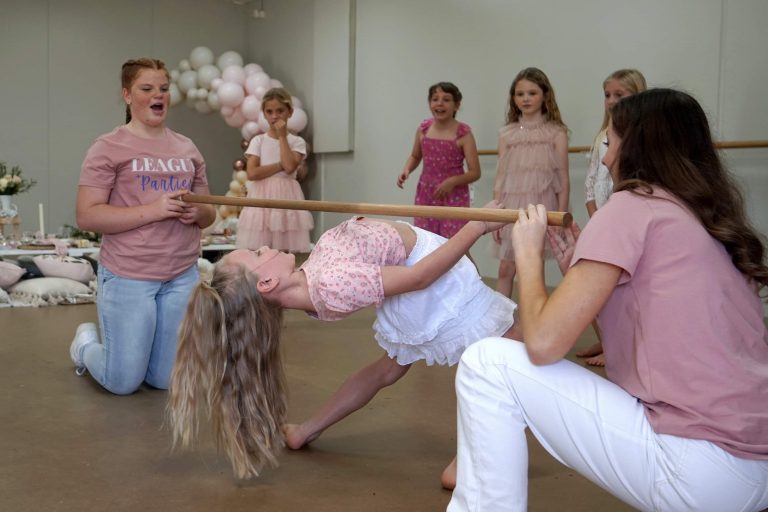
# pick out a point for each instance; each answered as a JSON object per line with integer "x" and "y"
{"x": 227, "y": 86}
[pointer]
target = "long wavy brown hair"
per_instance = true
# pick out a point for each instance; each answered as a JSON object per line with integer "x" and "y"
{"x": 229, "y": 366}
{"x": 549, "y": 107}
{"x": 666, "y": 142}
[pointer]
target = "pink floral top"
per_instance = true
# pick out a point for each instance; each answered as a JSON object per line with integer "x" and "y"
{"x": 344, "y": 269}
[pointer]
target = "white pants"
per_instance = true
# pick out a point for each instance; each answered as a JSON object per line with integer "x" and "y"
{"x": 590, "y": 425}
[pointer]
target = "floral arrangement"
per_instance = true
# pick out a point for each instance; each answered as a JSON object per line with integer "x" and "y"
{"x": 11, "y": 183}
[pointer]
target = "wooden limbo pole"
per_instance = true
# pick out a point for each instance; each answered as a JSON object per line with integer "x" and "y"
{"x": 435, "y": 212}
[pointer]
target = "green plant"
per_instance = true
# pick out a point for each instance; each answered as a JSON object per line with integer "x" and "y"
{"x": 76, "y": 232}
{"x": 11, "y": 182}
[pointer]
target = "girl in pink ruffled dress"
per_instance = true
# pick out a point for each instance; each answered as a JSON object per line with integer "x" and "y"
{"x": 533, "y": 160}
{"x": 272, "y": 161}
{"x": 443, "y": 143}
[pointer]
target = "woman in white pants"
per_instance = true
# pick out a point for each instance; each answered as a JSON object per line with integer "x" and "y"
{"x": 675, "y": 271}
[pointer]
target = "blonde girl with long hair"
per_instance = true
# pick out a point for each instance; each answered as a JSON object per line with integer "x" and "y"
{"x": 431, "y": 304}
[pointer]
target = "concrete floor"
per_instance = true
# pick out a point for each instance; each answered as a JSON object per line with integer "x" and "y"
{"x": 67, "y": 445}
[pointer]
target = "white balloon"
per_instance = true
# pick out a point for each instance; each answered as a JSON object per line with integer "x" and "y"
{"x": 187, "y": 80}
{"x": 297, "y": 121}
{"x": 184, "y": 65}
{"x": 296, "y": 102}
{"x": 249, "y": 129}
{"x": 200, "y": 56}
{"x": 235, "y": 186}
{"x": 236, "y": 120}
{"x": 233, "y": 74}
{"x": 252, "y": 68}
{"x": 241, "y": 176}
{"x": 190, "y": 101}
{"x": 174, "y": 75}
{"x": 192, "y": 94}
{"x": 202, "y": 106}
{"x": 263, "y": 124}
{"x": 229, "y": 58}
{"x": 213, "y": 100}
{"x": 206, "y": 74}
{"x": 216, "y": 83}
{"x": 230, "y": 94}
{"x": 255, "y": 81}
{"x": 176, "y": 95}
{"x": 251, "y": 108}
{"x": 275, "y": 83}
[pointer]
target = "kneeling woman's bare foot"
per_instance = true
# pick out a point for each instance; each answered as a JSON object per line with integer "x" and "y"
{"x": 448, "y": 478}
{"x": 295, "y": 437}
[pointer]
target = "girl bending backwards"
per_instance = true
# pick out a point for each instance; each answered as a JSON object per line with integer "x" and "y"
{"x": 599, "y": 184}
{"x": 444, "y": 143}
{"x": 431, "y": 305}
{"x": 675, "y": 271}
{"x": 533, "y": 160}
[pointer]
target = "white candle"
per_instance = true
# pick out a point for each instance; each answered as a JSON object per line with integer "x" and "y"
{"x": 42, "y": 221}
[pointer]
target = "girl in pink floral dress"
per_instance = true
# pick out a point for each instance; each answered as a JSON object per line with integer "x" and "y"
{"x": 443, "y": 143}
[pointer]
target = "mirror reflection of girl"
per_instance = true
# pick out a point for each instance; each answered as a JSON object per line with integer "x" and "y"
{"x": 431, "y": 304}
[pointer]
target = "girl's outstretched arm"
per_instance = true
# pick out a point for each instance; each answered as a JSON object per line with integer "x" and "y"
{"x": 400, "y": 279}
{"x": 414, "y": 159}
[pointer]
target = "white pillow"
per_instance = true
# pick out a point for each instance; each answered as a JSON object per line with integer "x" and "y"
{"x": 9, "y": 274}
{"x": 45, "y": 291}
{"x": 65, "y": 266}
{"x": 5, "y": 300}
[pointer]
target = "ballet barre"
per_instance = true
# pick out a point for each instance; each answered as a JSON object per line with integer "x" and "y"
{"x": 435, "y": 212}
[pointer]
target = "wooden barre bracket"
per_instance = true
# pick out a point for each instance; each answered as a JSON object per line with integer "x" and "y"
{"x": 435, "y": 212}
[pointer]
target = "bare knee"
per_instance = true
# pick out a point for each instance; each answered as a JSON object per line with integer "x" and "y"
{"x": 389, "y": 371}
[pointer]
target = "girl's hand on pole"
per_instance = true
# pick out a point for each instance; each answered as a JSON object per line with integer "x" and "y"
{"x": 490, "y": 226}
{"x": 529, "y": 231}
{"x": 169, "y": 205}
{"x": 563, "y": 243}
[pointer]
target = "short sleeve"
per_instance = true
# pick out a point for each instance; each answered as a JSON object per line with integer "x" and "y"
{"x": 254, "y": 147}
{"x": 347, "y": 288}
{"x": 463, "y": 130}
{"x": 617, "y": 233}
{"x": 298, "y": 145}
{"x": 98, "y": 169}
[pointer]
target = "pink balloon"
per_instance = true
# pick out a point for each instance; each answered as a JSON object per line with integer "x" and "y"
{"x": 259, "y": 92}
{"x": 233, "y": 74}
{"x": 227, "y": 111}
{"x": 275, "y": 83}
{"x": 216, "y": 83}
{"x": 249, "y": 129}
{"x": 252, "y": 69}
{"x": 255, "y": 81}
{"x": 236, "y": 120}
{"x": 263, "y": 124}
{"x": 297, "y": 121}
{"x": 296, "y": 102}
{"x": 230, "y": 94}
{"x": 251, "y": 108}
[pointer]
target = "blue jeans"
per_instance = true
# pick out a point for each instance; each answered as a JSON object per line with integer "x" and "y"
{"x": 139, "y": 323}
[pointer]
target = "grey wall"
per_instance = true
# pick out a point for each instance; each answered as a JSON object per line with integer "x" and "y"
{"x": 60, "y": 85}
{"x": 60, "y": 62}
{"x": 711, "y": 48}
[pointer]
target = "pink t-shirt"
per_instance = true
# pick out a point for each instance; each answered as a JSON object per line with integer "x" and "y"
{"x": 137, "y": 171}
{"x": 683, "y": 330}
{"x": 344, "y": 269}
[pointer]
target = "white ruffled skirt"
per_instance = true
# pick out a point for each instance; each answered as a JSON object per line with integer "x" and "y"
{"x": 438, "y": 323}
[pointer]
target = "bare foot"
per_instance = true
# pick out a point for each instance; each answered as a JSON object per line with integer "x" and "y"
{"x": 448, "y": 478}
{"x": 295, "y": 437}
{"x": 591, "y": 351}
{"x": 598, "y": 360}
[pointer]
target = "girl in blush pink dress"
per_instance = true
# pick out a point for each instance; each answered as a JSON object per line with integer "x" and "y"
{"x": 273, "y": 160}
{"x": 443, "y": 143}
{"x": 533, "y": 160}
